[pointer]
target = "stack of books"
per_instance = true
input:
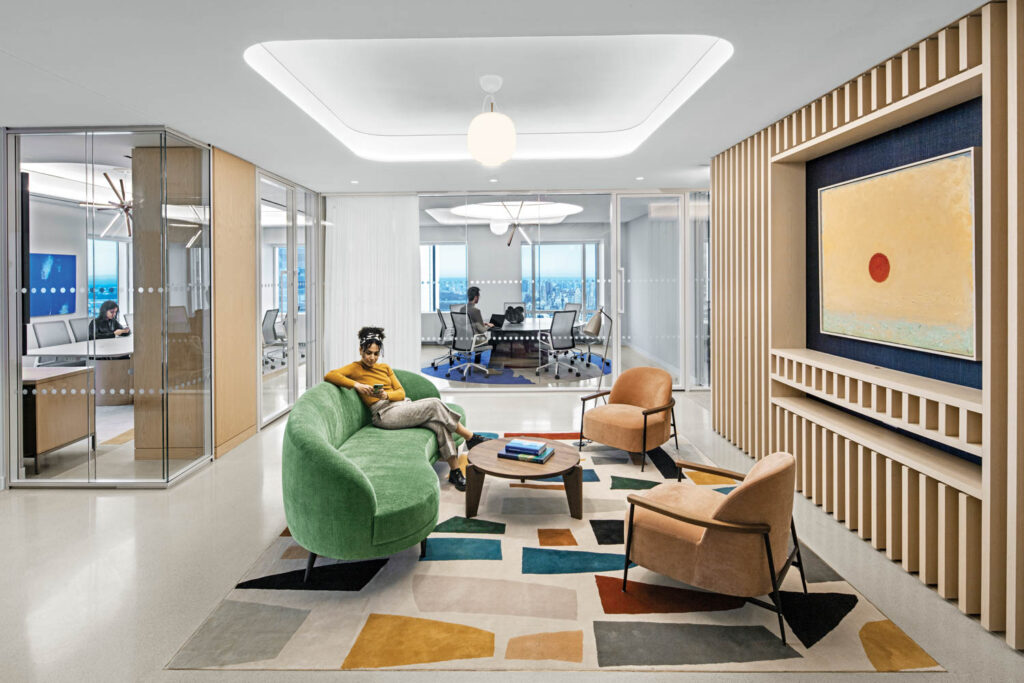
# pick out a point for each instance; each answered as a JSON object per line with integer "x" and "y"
{"x": 527, "y": 451}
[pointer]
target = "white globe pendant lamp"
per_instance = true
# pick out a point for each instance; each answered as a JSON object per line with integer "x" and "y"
{"x": 491, "y": 138}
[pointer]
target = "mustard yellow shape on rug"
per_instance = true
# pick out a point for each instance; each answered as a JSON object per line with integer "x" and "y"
{"x": 565, "y": 646}
{"x": 706, "y": 479}
{"x": 890, "y": 649}
{"x": 393, "y": 640}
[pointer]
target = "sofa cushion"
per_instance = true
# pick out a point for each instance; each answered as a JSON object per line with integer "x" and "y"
{"x": 397, "y": 462}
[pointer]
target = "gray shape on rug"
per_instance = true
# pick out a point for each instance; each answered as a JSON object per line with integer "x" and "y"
{"x": 493, "y": 596}
{"x": 816, "y": 570}
{"x": 239, "y": 632}
{"x": 610, "y": 459}
{"x": 647, "y": 643}
{"x": 525, "y": 505}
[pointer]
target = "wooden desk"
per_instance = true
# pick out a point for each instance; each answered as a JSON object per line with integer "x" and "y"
{"x": 112, "y": 359}
{"x": 53, "y": 416}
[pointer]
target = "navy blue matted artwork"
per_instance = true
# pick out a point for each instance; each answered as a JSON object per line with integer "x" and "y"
{"x": 52, "y": 284}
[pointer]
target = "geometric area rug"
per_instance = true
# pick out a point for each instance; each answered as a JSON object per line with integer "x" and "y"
{"x": 524, "y": 586}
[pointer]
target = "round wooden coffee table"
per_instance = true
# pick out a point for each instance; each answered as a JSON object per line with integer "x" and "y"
{"x": 484, "y": 460}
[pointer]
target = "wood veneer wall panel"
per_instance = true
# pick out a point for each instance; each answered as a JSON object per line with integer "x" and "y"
{"x": 994, "y": 313}
{"x": 234, "y": 299}
{"x": 758, "y": 248}
{"x": 1015, "y": 389}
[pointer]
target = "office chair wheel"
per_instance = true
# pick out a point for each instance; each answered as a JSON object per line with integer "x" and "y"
{"x": 577, "y": 373}
{"x": 537, "y": 372}
{"x": 448, "y": 374}
{"x": 558, "y": 377}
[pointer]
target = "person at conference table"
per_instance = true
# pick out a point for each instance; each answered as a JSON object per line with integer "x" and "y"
{"x": 476, "y": 318}
{"x": 105, "y": 325}
{"x": 381, "y": 391}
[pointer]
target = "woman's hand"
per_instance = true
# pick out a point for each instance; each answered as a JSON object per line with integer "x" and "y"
{"x": 118, "y": 333}
{"x": 363, "y": 389}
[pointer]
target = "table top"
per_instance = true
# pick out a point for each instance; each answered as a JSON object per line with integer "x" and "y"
{"x": 98, "y": 348}
{"x": 484, "y": 457}
{"x": 34, "y": 375}
{"x": 528, "y": 325}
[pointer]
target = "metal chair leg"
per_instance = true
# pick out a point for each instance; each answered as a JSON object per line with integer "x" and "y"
{"x": 799, "y": 559}
{"x": 643, "y": 447}
{"x": 309, "y": 567}
{"x": 675, "y": 430}
{"x": 629, "y": 543}
{"x": 423, "y": 548}
{"x": 776, "y": 598}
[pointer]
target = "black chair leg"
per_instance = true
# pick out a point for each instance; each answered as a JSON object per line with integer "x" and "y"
{"x": 776, "y": 598}
{"x": 309, "y": 567}
{"x": 643, "y": 447}
{"x": 675, "y": 430}
{"x": 423, "y": 548}
{"x": 799, "y": 560}
{"x": 629, "y": 543}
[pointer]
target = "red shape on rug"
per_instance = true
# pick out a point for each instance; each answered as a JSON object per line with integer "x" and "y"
{"x": 648, "y": 598}
{"x": 554, "y": 436}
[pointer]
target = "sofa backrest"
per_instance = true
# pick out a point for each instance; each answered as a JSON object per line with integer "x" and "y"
{"x": 338, "y": 413}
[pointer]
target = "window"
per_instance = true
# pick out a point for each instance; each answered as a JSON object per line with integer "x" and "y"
{"x": 103, "y": 273}
{"x": 443, "y": 278}
{"x": 557, "y": 274}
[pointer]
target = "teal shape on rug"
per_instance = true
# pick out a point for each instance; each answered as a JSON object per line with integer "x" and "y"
{"x": 725, "y": 489}
{"x": 462, "y": 549}
{"x": 461, "y": 525}
{"x": 548, "y": 561}
{"x": 487, "y": 435}
{"x": 588, "y": 475}
{"x": 630, "y": 483}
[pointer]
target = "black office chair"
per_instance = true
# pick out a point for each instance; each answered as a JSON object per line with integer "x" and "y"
{"x": 467, "y": 343}
{"x": 445, "y": 338}
{"x": 275, "y": 351}
{"x": 557, "y": 341}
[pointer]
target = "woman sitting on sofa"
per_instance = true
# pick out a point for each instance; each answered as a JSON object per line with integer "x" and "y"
{"x": 390, "y": 409}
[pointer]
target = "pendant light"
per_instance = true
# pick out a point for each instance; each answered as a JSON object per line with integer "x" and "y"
{"x": 491, "y": 138}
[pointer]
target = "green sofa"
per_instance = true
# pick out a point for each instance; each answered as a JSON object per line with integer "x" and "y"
{"x": 353, "y": 491}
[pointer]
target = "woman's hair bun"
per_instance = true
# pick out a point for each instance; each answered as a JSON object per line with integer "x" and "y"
{"x": 371, "y": 334}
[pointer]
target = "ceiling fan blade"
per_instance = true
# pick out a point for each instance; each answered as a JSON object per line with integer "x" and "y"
{"x": 112, "y": 187}
{"x": 128, "y": 222}
{"x": 124, "y": 195}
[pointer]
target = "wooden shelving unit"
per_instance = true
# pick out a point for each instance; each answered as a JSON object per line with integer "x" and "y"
{"x": 947, "y": 413}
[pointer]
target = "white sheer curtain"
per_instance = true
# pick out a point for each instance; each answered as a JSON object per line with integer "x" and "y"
{"x": 372, "y": 277}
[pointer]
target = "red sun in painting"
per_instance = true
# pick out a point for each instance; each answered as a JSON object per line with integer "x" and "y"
{"x": 878, "y": 267}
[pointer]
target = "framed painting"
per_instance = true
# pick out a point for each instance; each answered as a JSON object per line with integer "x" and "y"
{"x": 898, "y": 256}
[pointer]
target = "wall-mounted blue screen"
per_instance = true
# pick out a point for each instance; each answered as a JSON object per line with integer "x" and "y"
{"x": 52, "y": 284}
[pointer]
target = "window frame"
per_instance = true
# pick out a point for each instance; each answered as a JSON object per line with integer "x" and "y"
{"x": 433, "y": 281}
{"x": 598, "y": 267}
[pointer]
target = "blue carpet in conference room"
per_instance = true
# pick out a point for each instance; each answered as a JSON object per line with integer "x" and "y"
{"x": 521, "y": 375}
{"x": 477, "y": 377}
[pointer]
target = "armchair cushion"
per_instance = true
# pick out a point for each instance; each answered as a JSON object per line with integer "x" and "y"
{"x": 644, "y": 387}
{"x": 712, "y": 559}
{"x": 621, "y": 425}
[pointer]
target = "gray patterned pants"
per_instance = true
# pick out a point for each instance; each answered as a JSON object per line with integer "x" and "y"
{"x": 430, "y": 413}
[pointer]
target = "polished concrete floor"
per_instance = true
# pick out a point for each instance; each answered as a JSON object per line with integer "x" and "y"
{"x": 106, "y": 585}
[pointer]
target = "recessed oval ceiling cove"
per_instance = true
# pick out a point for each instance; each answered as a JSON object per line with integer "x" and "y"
{"x": 571, "y": 97}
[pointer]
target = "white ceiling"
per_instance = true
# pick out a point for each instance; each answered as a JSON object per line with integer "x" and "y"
{"x": 106, "y": 63}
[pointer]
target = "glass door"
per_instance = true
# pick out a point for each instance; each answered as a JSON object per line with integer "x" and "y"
{"x": 649, "y": 293}
{"x": 289, "y": 255}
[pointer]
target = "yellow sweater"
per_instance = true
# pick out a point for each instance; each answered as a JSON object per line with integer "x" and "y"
{"x": 380, "y": 373}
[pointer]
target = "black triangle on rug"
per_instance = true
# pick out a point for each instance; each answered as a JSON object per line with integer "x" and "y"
{"x": 665, "y": 464}
{"x": 341, "y": 576}
{"x": 812, "y": 616}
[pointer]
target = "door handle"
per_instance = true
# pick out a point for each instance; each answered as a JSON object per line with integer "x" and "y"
{"x": 622, "y": 290}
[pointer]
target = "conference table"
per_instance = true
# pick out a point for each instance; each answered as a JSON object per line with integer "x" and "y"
{"x": 521, "y": 339}
{"x": 113, "y": 363}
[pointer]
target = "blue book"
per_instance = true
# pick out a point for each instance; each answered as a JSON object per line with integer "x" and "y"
{"x": 524, "y": 446}
{"x": 539, "y": 458}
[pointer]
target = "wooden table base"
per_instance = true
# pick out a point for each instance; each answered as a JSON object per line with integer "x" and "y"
{"x": 573, "y": 480}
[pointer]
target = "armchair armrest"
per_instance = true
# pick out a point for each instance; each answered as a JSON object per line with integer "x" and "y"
{"x": 700, "y": 467}
{"x": 599, "y": 394}
{"x": 696, "y": 519}
{"x": 659, "y": 409}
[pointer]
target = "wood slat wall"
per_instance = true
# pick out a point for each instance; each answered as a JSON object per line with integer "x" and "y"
{"x": 961, "y": 530}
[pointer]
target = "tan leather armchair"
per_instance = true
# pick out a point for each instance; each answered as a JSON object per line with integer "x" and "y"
{"x": 639, "y": 415}
{"x": 733, "y": 543}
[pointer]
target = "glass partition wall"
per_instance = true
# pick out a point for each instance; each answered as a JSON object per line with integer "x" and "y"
{"x": 109, "y": 307}
{"x": 638, "y": 262}
{"x": 289, "y": 257}
{"x": 549, "y": 254}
